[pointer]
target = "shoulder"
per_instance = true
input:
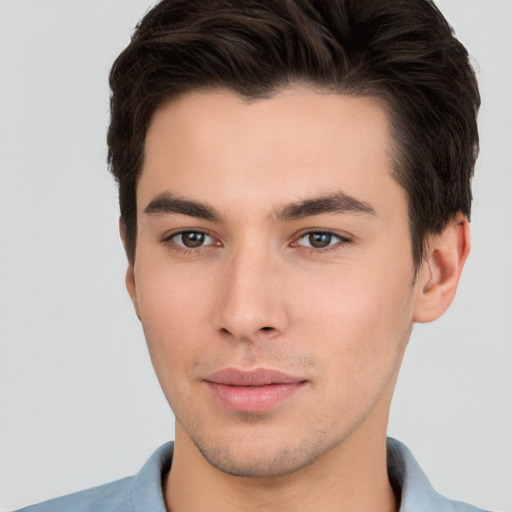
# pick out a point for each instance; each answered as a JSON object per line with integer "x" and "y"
{"x": 105, "y": 498}
{"x": 139, "y": 493}
{"x": 414, "y": 488}
{"x": 459, "y": 506}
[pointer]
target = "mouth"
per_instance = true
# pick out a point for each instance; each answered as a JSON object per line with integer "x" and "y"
{"x": 252, "y": 391}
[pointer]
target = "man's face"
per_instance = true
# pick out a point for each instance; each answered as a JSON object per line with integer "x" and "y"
{"x": 273, "y": 273}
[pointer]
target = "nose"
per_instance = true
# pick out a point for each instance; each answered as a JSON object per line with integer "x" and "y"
{"x": 251, "y": 304}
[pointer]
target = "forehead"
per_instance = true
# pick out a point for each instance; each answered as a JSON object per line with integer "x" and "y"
{"x": 219, "y": 144}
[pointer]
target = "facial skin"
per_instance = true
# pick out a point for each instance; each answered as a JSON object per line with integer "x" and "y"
{"x": 273, "y": 279}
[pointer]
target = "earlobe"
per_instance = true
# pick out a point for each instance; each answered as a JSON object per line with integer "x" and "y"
{"x": 440, "y": 272}
{"x": 131, "y": 287}
{"x": 130, "y": 274}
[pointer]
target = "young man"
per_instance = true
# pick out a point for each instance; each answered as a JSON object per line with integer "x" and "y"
{"x": 294, "y": 183}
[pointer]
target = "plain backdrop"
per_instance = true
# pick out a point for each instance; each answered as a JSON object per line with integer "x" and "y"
{"x": 79, "y": 404}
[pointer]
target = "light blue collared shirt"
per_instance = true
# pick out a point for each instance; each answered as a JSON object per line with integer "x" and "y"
{"x": 143, "y": 492}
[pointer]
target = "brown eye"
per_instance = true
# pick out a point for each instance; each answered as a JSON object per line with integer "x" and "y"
{"x": 320, "y": 239}
{"x": 192, "y": 239}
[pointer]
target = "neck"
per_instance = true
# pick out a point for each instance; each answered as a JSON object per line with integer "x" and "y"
{"x": 351, "y": 476}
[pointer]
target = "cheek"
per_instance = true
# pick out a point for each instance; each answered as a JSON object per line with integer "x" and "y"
{"x": 168, "y": 293}
{"x": 360, "y": 336}
{"x": 355, "y": 300}
{"x": 361, "y": 323}
{"x": 174, "y": 312}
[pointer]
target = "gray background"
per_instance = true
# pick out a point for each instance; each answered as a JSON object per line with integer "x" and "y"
{"x": 79, "y": 404}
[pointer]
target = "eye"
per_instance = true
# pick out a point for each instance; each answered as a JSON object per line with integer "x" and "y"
{"x": 191, "y": 239}
{"x": 320, "y": 239}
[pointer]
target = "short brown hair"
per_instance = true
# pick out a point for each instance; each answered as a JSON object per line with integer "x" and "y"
{"x": 402, "y": 51}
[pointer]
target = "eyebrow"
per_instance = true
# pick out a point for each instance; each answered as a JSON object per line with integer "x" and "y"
{"x": 338, "y": 202}
{"x": 167, "y": 203}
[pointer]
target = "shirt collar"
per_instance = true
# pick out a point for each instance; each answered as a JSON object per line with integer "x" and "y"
{"x": 408, "y": 481}
{"x": 146, "y": 489}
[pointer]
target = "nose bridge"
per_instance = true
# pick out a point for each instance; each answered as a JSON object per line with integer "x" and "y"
{"x": 251, "y": 301}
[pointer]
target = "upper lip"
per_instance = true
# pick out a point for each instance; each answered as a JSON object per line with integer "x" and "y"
{"x": 254, "y": 377}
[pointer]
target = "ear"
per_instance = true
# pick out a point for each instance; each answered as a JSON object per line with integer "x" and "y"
{"x": 440, "y": 271}
{"x": 130, "y": 273}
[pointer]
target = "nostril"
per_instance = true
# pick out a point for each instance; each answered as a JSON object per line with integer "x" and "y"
{"x": 267, "y": 329}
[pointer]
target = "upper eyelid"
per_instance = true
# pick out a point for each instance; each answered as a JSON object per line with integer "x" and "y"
{"x": 341, "y": 239}
{"x": 342, "y": 236}
{"x": 170, "y": 242}
{"x": 172, "y": 234}
{"x": 331, "y": 233}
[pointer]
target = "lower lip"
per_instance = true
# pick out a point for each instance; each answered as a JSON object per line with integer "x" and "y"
{"x": 253, "y": 399}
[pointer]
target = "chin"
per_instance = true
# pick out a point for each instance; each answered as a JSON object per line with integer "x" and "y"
{"x": 260, "y": 458}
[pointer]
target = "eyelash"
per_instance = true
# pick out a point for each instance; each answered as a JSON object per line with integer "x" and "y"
{"x": 341, "y": 240}
{"x": 169, "y": 240}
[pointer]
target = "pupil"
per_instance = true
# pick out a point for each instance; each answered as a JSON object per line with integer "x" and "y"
{"x": 319, "y": 240}
{"x": 192, "y": 239}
